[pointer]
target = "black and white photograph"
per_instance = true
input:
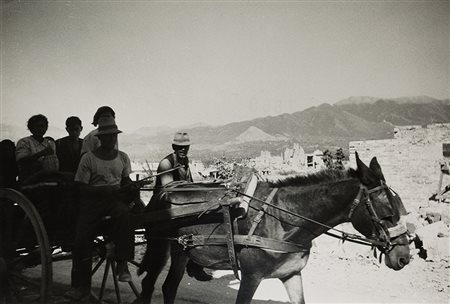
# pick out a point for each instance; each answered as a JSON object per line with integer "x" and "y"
{"x": 224, "y": 151}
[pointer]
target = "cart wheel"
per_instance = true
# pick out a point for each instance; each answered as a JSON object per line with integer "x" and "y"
{"x": 105, "y": 257}
{"x": 25, "y": 248}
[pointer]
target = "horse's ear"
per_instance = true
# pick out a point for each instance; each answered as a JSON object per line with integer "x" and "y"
{"x": 359, "y": 163}
{"x": 376, "y": 169}
{"x": 362, "y": 170}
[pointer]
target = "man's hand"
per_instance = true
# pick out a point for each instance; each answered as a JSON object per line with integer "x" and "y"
{"x": 141, "y": 183}
{"x": 128, "y": 184}
{"x": 46, "y": 151}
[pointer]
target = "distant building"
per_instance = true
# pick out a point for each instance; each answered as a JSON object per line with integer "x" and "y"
{"x": 315, "y": 160}
{"x": 266, "y": 162}
{"x": 295, "y": 157}
{"x": 291, "y": 159}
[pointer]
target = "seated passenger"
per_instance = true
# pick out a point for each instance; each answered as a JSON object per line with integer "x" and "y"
{"x": 36, "y": 153}
{"x": 91, "y": 141}
{"x": 68, "y": 149}
{"x": 100, "y": 175}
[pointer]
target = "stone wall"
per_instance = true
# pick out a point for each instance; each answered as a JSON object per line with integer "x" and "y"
{"x": 410, "y": 162}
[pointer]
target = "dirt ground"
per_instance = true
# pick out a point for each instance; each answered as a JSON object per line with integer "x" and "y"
{"x": 347, "y": 275}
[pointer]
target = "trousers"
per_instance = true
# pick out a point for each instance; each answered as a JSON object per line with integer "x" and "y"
{"x": 91, "y": 218}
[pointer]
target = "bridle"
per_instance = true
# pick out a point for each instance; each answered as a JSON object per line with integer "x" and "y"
{"x": 386, "y": 237}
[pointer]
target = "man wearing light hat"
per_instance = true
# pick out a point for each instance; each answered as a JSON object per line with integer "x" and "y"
{"x": 100, "y": 175}
{"x": 180, "y": 146}
{"x": 159, "y": 249}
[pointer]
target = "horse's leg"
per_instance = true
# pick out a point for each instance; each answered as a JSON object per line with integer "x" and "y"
{"x": 294, "y": 288}
{"x": 154, "y": 261}
{"x": 178, "y": 261}
{"x": 247, "y": 288}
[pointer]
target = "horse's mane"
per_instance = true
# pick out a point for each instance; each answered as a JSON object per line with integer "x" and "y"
{"x": 322, "y": 176}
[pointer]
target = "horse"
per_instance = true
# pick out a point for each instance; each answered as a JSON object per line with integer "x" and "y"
{"x": 291, "y": 213}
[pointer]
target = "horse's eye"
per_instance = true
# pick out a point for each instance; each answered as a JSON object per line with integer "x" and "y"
{"x": 382, "y": 197}
{"x": 388, "y": 219}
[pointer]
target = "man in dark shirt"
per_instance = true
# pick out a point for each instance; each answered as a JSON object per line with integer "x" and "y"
{"x": 68, "y": 149}
{"x": 179, "y": 158}
{"x": 158, "y": 251}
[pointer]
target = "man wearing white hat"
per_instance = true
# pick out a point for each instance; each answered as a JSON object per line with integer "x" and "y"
{"x": 180, "y": 145}
{"x": 159, "y": 249}
{"x": 100, "y": 175}
{"x": 178, "y": 158}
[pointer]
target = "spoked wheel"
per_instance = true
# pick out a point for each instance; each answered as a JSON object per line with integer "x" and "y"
{"x": 105, "y": 257}
{"x": 25, "y": 248}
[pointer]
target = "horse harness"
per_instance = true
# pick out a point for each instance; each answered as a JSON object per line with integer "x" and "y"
{"x": 230, "y": 239}
{"x": 385, "y": 238}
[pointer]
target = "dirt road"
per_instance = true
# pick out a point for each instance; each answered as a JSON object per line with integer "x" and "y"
{"x": 351, "y": 275}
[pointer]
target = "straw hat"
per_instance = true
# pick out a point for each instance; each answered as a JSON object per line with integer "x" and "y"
{"x": 107, "y": 125}
{"x": 181, "y": 139}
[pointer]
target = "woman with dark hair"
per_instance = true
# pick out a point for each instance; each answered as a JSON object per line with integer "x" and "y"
{"x": 36, "y": 153}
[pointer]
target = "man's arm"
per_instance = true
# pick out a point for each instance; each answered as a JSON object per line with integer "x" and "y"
{"x": 166, "y": 178}
{"x": 24, "y": 155}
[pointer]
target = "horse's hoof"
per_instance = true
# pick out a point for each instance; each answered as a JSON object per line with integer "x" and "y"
{"x": 198, "y": 273}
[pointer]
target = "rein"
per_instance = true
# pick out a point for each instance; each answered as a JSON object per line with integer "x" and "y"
{"x": 363, "y": 194}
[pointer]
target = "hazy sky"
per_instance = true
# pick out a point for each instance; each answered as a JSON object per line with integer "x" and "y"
{"x": 184, "y": 62}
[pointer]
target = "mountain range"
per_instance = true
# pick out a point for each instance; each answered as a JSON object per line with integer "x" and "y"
{"x": 321, "y": 127}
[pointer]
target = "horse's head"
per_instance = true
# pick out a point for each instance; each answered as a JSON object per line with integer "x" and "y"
{"x": 378, "y": 213}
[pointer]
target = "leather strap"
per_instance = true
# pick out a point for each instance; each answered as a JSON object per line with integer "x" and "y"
{"x": 258, "y": 217}
{"x": 356, "y": 202}
{"x": 249, "y": 191}
{"x": 229, "y": 239}
{"x": 191, "y": 241}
